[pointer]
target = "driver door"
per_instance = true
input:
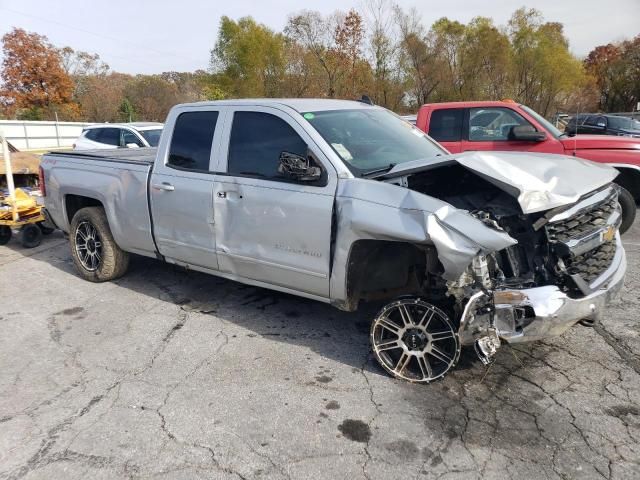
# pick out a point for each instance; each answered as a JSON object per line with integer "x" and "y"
{"x": 268, "y": 227}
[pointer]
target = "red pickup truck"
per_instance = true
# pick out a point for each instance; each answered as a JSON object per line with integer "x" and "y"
{"x": 509, "y": 126}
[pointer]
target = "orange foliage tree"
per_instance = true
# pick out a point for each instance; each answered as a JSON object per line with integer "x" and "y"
{"x": 35, "y": 84}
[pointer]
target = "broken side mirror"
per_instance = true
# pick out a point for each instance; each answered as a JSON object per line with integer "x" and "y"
{"x": 526, "y": 133}
{"x": 298, "y": 167}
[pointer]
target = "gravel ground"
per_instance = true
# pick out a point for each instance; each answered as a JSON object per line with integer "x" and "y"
{"x": 170, "y": 374}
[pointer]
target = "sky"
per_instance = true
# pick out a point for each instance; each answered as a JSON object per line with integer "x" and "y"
{"x": 146, "y": 36}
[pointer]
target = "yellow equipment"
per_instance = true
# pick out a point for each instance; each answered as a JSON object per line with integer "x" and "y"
{"x": 19, "y": 210}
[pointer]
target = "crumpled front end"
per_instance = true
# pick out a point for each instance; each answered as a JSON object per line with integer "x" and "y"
{"x": 586, "y": 267}
{"x": 467, "y": 266}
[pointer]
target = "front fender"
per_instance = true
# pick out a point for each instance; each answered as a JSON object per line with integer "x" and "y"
{"x": 367, "y": 209}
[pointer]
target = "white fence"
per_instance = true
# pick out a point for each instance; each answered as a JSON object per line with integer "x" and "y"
{"x": 31, "y": 135}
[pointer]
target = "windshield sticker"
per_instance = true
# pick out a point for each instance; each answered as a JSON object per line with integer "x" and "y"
{"x": 342, "y": 151}
{"x": 309, "y": 116}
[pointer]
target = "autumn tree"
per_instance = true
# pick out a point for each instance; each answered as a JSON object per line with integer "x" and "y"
{"x": 78, "y": 63}
{"x": 616, "y": 70}
{"x": 102, "y": 95}
{"x": 383, "y": 49}
{"x": 418, "y": 58}
{"x": 316, "y": 33}
{"x": 348, "y": 35}
{"x": 152, "y": 97}
{"x": 34, "y": 79}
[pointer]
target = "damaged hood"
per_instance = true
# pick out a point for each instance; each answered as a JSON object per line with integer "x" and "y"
{"x": 538, "y": 181}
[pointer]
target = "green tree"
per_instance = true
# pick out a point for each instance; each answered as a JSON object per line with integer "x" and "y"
{"x": 248, "y": 58}
{"x": 544, "y": 68}
{"x": 486, "y": 63}
{"x": 126, "y": 111}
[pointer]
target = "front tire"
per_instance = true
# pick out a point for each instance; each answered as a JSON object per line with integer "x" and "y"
{"x": 628, "y": 204}
{"x": 415, "y": 341}
{"x": 95, "y": 253}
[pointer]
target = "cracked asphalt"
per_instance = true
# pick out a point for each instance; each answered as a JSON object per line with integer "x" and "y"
{"x": 169, "y": 374}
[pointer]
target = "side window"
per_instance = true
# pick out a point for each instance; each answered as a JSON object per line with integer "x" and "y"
{"x": 92, "y": 134}
{"x": 446, "y": 125}
{"x": 493, "y": 124}
{"x": 591, "y": 120}
{"x": 191, "y": 140}
{"x": 257, "y": 140}
{"x": 109, "y": 136}
{"x": 130, "y": 137}
{"x": 596, "y": 121}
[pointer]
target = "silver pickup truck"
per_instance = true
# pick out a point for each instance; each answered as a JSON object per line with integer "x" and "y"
{"x": 344, "y": 202}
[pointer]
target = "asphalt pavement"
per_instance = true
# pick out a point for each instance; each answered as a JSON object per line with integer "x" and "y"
{"x": 169, "y": 374}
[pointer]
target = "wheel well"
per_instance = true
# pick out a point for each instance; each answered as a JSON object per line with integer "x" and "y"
{"x": 73, "y": 203}
{"x": 629, "y": 179}
{"x": 383, "y": 270}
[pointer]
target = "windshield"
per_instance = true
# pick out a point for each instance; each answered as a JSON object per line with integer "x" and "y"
{"x": 151, "y": 136}
{"x": 622, "y": 123}
{"x": 550, "y": 127}
{"x": 370, "y": 140}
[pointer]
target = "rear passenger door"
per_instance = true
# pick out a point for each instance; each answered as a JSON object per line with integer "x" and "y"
{"x": 268, "y": 227}
{"x": 181, "y": 189}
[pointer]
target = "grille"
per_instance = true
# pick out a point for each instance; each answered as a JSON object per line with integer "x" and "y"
{"x": 583, "y": 223}
{"x": 592, "y": 264}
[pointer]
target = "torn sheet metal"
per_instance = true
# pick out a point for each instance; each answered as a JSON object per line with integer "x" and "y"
{"x": 539, "y": 181}
{"x": 381, "y": 211}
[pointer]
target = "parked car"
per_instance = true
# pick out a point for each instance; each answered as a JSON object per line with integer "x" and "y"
{"x": 601, "y": 124}
{"x": 508, "y": 126}
{"x": 119, "y": 135}
{"x": 343, "y": 202}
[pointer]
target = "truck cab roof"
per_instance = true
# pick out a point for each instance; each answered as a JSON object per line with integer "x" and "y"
{"x": 300, "y": 105}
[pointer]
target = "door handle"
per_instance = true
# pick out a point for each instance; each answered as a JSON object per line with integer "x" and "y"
{"x": 221, "y": 194}
{"x": 167, "y": 187}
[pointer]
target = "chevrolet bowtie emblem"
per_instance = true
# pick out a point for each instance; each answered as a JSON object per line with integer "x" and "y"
{"x": 608, "y": 234}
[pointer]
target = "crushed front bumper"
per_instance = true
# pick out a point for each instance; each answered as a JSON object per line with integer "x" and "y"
{"x": 533, "y": 314}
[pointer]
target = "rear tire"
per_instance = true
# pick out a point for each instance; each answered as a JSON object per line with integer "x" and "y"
{"x": 31, "y": 235}
{"x": 628, "y": 204}
{"x": 95, "y": 253}
{"x": 5, "y": 234}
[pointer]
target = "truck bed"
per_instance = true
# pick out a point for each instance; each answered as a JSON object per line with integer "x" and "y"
{"x": 116, "y": 179}
{"x": 144, "y": 156}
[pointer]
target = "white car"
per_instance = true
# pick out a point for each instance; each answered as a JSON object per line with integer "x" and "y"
{"x": 119, "y": 135}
